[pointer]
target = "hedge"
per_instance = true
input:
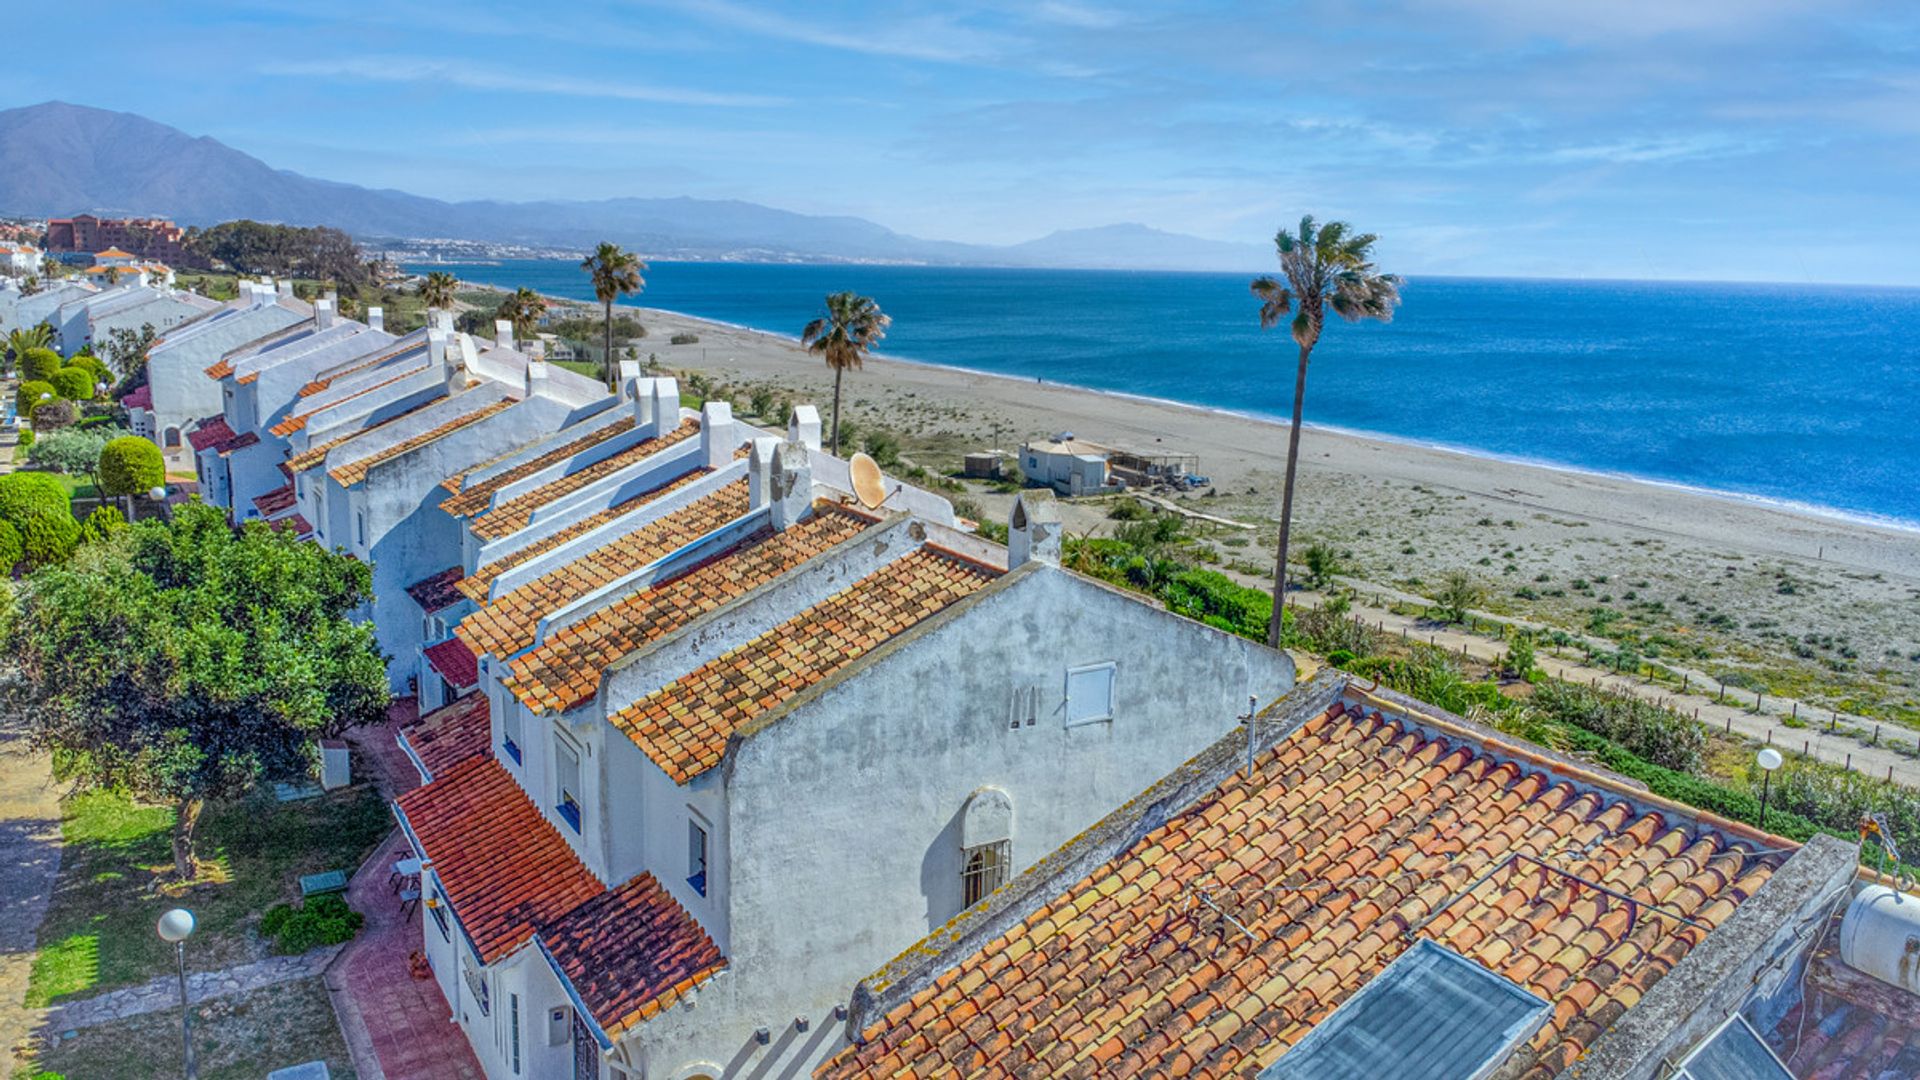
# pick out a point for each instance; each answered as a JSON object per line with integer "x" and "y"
{"x": 73, "y": 383}
{"x": 24, "y": 494}
{"x": 12, "y": 547}
{"x": 29, "y": 392}
{"x": 322, "y": 920}
{"x": 130, "y": 465}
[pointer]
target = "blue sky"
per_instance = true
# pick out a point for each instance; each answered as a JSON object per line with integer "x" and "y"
{"x": 1749, "y": 139}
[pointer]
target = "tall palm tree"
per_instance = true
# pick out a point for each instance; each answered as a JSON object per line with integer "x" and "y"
{"x": 523, "y": 308}
{"x": 852, "y": 326}
{"x": 616, "y": 273}
{"x": 1324, "y": 266}
{"x": 437, "y": 290}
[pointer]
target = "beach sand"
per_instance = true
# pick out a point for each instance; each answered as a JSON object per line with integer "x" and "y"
{"x": 1749, "y": 580}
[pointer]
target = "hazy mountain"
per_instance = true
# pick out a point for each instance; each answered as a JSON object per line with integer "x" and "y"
{"x": 58, "y": 159}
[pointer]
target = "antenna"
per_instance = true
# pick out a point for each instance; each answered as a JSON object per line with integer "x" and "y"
{"x": 1251, "y": 703}
{"x": 868, "y": 485}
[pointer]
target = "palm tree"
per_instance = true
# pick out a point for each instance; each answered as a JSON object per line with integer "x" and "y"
{"x": 523, "y": 308}
{"x": 1324, "y": 267}
{"x": 22, "y": 338}
{"x": 852, "y": 326}
{"x": 616, "y": 273}
{"x": 437, "y": 290}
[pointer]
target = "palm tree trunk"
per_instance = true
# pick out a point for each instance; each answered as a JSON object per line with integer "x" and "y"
{"x": 1286, "y": 503}
{"x": 607, "y": 344}
{"x": 837, "y": 372}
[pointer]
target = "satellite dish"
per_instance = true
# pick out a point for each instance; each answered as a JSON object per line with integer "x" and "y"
{"x": 868, "y": 485}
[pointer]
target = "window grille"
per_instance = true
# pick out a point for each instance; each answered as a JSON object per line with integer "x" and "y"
{"x": 984, "y": 869}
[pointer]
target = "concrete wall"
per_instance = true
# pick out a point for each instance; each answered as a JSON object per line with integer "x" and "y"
{"x": 842, "y": 815}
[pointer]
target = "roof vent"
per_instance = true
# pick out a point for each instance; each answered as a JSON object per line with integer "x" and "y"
{"x": 1431, "y": 1015}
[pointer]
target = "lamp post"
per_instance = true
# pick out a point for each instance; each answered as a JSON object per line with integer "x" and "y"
{"x": 175, "y": 927}
{"x": 1768, "y": 759}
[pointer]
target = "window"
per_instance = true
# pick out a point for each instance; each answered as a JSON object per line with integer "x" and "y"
{"x": 566, "y": 777}
{"x": 697, "y": 857}
{"x": 984, "y": 869}
{"x": 360, "y": 525}
{"x": 513, "y": 1032}
{"x": 1090, "y": 693}
{"x": 476, "y": 978}
{"x": 510, "y": 731}
{"x": 437, "y": 903}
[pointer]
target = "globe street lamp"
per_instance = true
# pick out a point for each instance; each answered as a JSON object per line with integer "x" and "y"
{"x": 1769, "y": 759}
{"x": 175, "y": 927}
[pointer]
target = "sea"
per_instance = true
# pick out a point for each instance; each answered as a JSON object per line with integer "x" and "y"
{"x": 1802, "y": 395}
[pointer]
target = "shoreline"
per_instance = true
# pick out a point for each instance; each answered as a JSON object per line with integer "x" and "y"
{"x": 1794, "y": 507}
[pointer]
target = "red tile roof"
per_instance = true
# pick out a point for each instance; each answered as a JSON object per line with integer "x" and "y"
{"x": 473, "y": 498}
{"x": 438, "y": 591}
{"x": 512, "y": 516}
{"x": 630, "y": 952}
{"x": 564, "y": 671}
{"x": 251, "y": 438}
{"x": 297, "y": 524}
{"x": 454, "y": 662}
{"x": 139, "y": 399}
{"x": 277, "y": 501}
{"x": 684, "y": 726}
{"x": 477, "y": 584}
{"x": 503, "y": 865}
{"x": 220, "y": 370}
{"x": 356, "y": 470}
{"x": 211, "y": 432}
{"x": 452, "y": 733}
{"x": 1354, "y": 828}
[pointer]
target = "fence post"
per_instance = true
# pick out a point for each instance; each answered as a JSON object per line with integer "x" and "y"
{"x": 1876, "y": 734}
{"x": 1729, "y": 725}
{"x": 1769, "y": 736}
{"x": 1686, "y": 681}
{"x": 1723, "y": 690}
{"x": 1796, "y": 710}
{"x": 1833, "y": 721}
{"x": 1849, "y": 762}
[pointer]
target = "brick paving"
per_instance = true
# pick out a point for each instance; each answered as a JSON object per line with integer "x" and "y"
{"x": 396, "y": 1026}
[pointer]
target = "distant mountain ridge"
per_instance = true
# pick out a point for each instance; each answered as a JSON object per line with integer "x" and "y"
{"x": 58, "y": 159}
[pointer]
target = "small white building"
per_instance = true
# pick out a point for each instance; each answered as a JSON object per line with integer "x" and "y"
{"x": 19, "y": 260}
{"x": 180, "y": 392}
{"x": 1068, "y": 465}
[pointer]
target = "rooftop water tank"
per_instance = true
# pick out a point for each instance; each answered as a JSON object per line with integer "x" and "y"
{"x": 1880, "y": 935}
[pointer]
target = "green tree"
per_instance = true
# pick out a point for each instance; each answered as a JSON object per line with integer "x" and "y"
{"x": 523, "y": 308}
{"x": 850, "y": 329}
{"x": 127, "y": 351}
{"x": 74, "y": 451}
{"x": 74, "y": 383}
{"x": 22, "y": 338}
{"x": 12, "y": 548}
{"x": 1520, "y": 655}
{"x": 253, "y": 247}
{"x": 1322, "y": 562}
{"x": 1458, "y": 594}
{"x": 615, "y": 273}
{"x": 32, "y": 392}
{"x": 130, "y": 465}
{"x": 437, "y": 290}
{"x": 1323, "y": 267}
{"x": 39, "y": 364}
{"x": 24, "y": 494}
{"x": 184, "y": 661}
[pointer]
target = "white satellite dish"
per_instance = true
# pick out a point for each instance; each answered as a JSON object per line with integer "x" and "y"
{"x": 868, "y": 485}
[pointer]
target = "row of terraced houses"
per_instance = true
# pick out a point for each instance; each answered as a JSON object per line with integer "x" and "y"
{"x": 733, "y": 766}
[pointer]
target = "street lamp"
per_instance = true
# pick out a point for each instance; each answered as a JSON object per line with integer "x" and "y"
{"x": 175, "y": 927}
{"x": 1769, "y": 759}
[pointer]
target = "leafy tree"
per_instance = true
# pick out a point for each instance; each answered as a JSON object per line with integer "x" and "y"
{"x": 437, "y": 290}
{"x": 615, "y": 273}
{"x": 1520, "y": 655}
{"x": 39, "y": 364}
{"x": 186, "y": 662}
{"x": 30, "y": 393}
{"x": 1458, "y": 593}
{"x": 12, "y": 548}
{"x": 50, "y": 416}
{"x": 127, "y": 351}
{"x": 523, "y": 308}
{"x": 74, "y": 451}
{"x": 1324, "y": 267}
{"x": 22, "y": 338}
{"x": 24, "y": 494}
{"x": 253, "y": 247}
{"x": 73, "y": 383}
{"x": 130, "y": 465}
{"x": 852, "y": 326}
{"x": 49, "y": 538}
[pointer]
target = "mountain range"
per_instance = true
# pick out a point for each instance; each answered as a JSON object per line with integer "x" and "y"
{"x": 58, "y": 159}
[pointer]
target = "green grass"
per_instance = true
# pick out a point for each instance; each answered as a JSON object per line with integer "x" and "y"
{"x": 242, "y": 1037}
{"x": 98, "y": 931}
{"x": 78, "y": 487}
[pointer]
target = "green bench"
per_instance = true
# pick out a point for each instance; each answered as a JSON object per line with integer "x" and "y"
{"x": 331, "y": 881}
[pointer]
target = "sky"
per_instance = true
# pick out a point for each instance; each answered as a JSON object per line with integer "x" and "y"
{"x": 1719, "y": 139}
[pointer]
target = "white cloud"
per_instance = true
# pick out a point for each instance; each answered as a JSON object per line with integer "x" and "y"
{"x": 923, "y": 38}
{"x": 477, "y": 75}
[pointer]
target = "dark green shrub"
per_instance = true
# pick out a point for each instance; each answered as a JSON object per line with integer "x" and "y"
{"x": 102, "y": 523}
{"x": 130, "y": 465}
{"x": 322, "y": 920}
{"x": 684, "y": 339}
{"x": 1658, "y": 735}
{"x": 49, "y": 539}
{"x": 26, "y": 437}
{"x": 12, "y": 547}
{"x": 883, "y": 448}
{"x": 39, "y": 364}
{"x": 73, "y": 383}
{"x": 1220, "y": 602}
{"x": 51, "y": 416}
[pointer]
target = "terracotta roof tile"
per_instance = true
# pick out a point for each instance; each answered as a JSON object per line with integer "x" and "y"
{"x": 251, "y": 438}
{"x": 503, "y": 865}
{"x": 438, "y": 591}
{"x": 454, "y": 662}
{"x": 212, "y": 432}
{"x": 508, "y": 623}
{"x": 376, "y": 359}
{"x": 355, "y": 471}
{"x": 452, "y": 733}
{"x": 220, "y": 370}
{"x": 1353, "y": 829}
{"x": 298, "y": 421}
{"x": 630, "y": 952}
{"x": 564, "y": 671}
{"x": 477, "y": 584}
{"x": 473, "y": 498}
{"x": 277, "y": 501}
{"x": 512, "y": 516}
{"x": 685, "y": 725}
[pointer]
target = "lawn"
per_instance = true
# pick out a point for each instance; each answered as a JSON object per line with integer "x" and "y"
{"x": 242, "y": 1037}
{"x": 98, "y": 933}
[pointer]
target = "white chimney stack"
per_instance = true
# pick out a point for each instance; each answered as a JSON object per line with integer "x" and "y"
{"x": 537, "y": 349}
{"x": 286, "y": 288}
{"x": 440, "y": 318}
{"x": 323, "y": 313}
{"x": 760, "y": 471}
{"x": 536, "y": 379}
{"x": 791, "y": 489}
{"x": 376, "y": 318}
{"x": 716, "y": 434}
{"x": 1033, "y": 530}
{"x": 436, "y": 346}
{"x": 503, "y": 333}
{"x": 665, "y": 408}
{"x": 629, "y": 377}
{"x": 804, "y": 427}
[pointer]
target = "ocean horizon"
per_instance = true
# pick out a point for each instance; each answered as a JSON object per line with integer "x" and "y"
{"x": 1793, "y": 395}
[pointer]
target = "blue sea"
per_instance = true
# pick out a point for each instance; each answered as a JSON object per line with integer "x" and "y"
{"x": 1792, "y": 393}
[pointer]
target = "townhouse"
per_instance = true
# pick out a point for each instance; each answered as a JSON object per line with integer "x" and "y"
{"x": 179, "y": 392}
{"x": 84, "y": 321}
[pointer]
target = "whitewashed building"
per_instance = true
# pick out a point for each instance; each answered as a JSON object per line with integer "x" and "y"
{"x": 179, "y": 391}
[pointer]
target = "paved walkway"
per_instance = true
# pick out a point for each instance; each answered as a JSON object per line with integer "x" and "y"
{"x": 164, "y": 992}
{"x": 29, "y": 863}
{"x": 396, "y": 1025}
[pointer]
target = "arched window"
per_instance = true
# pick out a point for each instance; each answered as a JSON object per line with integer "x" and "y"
{"x": 986, "y": 844}
{"x": 173, "y": 436}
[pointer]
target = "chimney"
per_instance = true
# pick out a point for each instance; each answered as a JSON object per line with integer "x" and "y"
{"x": 665, "y": 409}
{"x": 536, "y": 379}
{"x": 323, "y": 313}
{"x": 804, "y": 427}
{"x": 376, "y": 318}
{"x": 437, "y": 347}
{"x": 629, "y": 377}
{"x": 503, "y": 333}
{"x": 643, "y": 404}
{"x": 760, "y": 471}
{"x": 716, "y": 434}
{"x": 537, "y": 349}
{"x": 791, "y": 488}
{"x": 440, "y": 319}
{"x": 286, "y": 289}
{"x": 1033, "y": 530}
{"x": 332, "y": 297}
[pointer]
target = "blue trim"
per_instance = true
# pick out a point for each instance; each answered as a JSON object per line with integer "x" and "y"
{"x": 579, "y": 1007}
{"x": 570, "y": 812}
{"x": 512, "y": 748}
